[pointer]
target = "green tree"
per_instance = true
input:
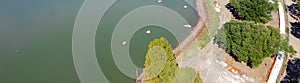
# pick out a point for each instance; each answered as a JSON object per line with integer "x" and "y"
{"x": 288, "y": 48}
{"x": 250, "y": 42}
{"x": 298, "y": 4}
{"x": 158, "y": 51}
{"x": 254, "y": 10}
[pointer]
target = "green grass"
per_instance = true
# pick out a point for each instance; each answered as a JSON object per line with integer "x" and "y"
{"x": 198, "y": 79}
{"x": 203, "y": 39}
{"x": 186, "y": 75}
{"x": 213, "y": 17}
{"x": 212, "y": 25}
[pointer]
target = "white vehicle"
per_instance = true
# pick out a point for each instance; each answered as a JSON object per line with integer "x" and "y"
{"x": 280, "y": 55}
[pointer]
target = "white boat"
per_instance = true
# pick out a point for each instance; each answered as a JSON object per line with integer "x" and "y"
{"x": 124, "y": 42}
{"x": 185, "y": 7}
{"x": 148, "y": 31}
{"x": 188, "y": 26}
{"x": 159, "y": 1}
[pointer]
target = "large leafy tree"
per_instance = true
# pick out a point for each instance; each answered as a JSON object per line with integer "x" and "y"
{"x": 250, "y": 42}
{"x": 253, "y": 10}
{"x": 160, "y": 64}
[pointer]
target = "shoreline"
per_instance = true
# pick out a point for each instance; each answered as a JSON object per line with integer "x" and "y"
{"x": 196, "y": 32}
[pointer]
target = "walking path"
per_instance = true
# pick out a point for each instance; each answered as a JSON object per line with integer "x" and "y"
{"x": 293, "y": 40}
{"x": 205, "y": 60}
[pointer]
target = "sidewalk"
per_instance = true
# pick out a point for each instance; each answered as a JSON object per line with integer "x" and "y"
{"x": 293, "y": 40}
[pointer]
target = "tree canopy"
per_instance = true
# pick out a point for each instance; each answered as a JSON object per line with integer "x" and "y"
{"x": 160, "y": 64}
{"x": 298, "y": 4}
{"x": 250, "y": 42}
{"x": 254, "y": 10}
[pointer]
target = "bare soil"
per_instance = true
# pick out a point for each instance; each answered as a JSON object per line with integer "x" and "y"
{"x": 275, "y": 20}
{"x": 259, "y": 73}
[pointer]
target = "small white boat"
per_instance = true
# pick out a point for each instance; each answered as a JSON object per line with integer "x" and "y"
{"x": 159, "y": 1}
{"x": 148, "y": 31}
{"x": 124, "y": 42}
{"x": 185, "y": 7}
{"x": 188, "y": 26}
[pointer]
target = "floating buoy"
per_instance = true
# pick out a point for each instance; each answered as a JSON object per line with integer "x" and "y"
{"x": 124, "y": 42}
{"x": 185, "y": 7}
{"x": 148, "y": 31}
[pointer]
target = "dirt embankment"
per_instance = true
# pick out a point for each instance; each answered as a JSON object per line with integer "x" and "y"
{"x": 197, "y": 30}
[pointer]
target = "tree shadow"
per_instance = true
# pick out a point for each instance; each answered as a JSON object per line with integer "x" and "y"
{"x": 295, "y": 29}
{"x": 233, "y": 11}
{"x": 294, "y": 11}
{"x": 292, "y": 71}
{"x": 248, "y": 63}
{"x": 294, "y": 0}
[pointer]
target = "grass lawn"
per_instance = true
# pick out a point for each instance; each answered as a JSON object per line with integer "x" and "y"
{"x": 187, "y": 75}
{"x": 212, "y": 25}
{"x": 203, "y": 39}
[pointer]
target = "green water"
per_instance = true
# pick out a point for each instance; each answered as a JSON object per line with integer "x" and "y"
{"x": 36, "y": 39}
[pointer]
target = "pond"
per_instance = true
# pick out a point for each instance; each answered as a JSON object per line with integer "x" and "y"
{"x": 36, "y": 37}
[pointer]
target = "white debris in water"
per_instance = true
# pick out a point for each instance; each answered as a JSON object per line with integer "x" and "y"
{"x": 188, "y": 26}
{"x": 124, "y": 42}
{"x": 148, "y": 31}
{"x": 185, "y": 7}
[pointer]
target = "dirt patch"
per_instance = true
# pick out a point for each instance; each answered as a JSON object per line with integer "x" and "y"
{"x": 275, "y": 20}
{"x": 259, "y": 73}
